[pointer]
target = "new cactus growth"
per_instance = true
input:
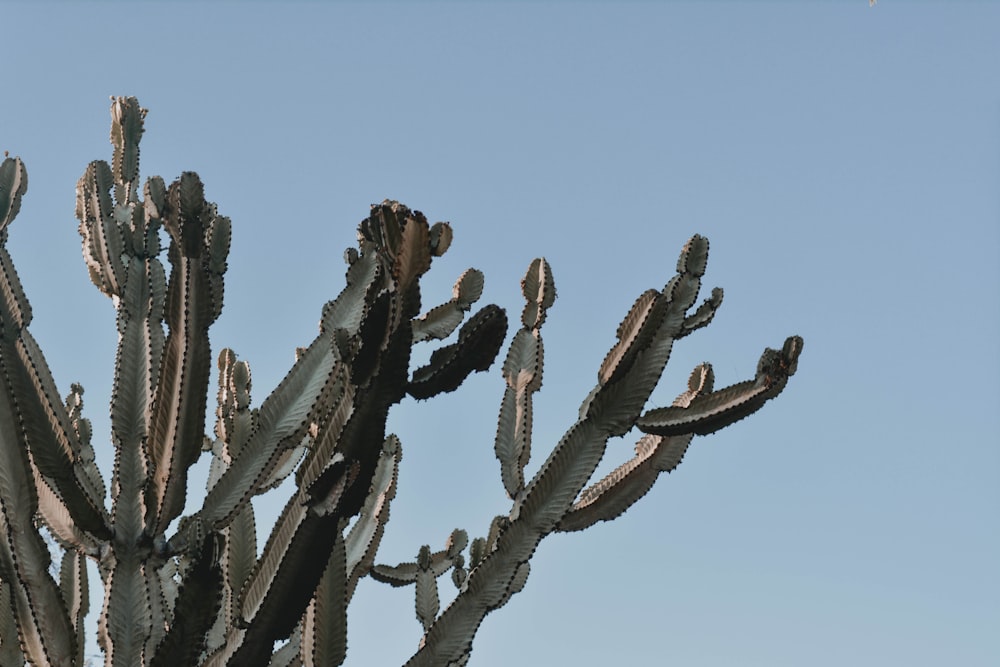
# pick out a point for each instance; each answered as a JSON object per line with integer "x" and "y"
{"x": 198, "y": 591}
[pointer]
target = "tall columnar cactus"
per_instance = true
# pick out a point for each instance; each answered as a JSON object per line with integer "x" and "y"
{"x": 200, "y": 593}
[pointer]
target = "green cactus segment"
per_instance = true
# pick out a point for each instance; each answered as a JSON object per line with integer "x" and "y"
{"x": 439, "y": 322}
{"x": 625, "y": 485}
{"x": 127, "y": 614}
{"x": 41, "y": 416}
{"x": 284, "y": 578}
{"x": 198, "y": 249}
{"x": 347, "y": 310}
{"x": 282, "y": 421}
{"x": 126, "y": 130}
{"x": 539, "y": 290}
{"x": 238, "y": 560}
{"x": 235, "y": 420}
{"x": 362, "y": 541}
{"x": 10, "y": 648}
{"x": 73, "y": 583}
{"x": 428, "y": 604}
{"x": 140, "y": 348}
{"x": 424, "y": 573}
{"x": 437, "y": 562}
{"x": 90, "y": 474}
{"x": 103, "y": 239}
{"x": 479, "y": 341}
{"x": 195, "y": 608}
{"x": 704, "y": 314}
{"x": 522, "y": 372}
{"x": 13, "y": 185}
{"x": 414, "y": 256}
{"x": 712, "y": 411}
{"x": 76, "y": 595}
{"x": 43, "y": 623}
{"x": 324, "y": 625}
{"x": 440, "y": 238}
{"x": 50, "y": 436}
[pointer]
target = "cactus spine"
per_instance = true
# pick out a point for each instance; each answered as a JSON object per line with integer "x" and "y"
{"x": 200, "y": 593}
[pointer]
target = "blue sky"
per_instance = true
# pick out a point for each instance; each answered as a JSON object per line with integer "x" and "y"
{"x": 843, "y": 160}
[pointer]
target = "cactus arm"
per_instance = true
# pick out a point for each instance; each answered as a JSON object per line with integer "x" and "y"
{"x": 522, "y": 371}
{"x": 234, "y": 425}
{"x": 439, "y": 322}
{"x": 413, "y": 258}
{"x": 424, "y": 573}
{"x": 30, "y": 391}
{"x": 76, "y": 595}
{"x": 625, "y": 485}
{"x": 427, "y": 602}
{"x": 127, "y": 616}
{"x": 137, "y": 362}
{"x": 132, "y": 616}
{"x": 126, "y": 130}
{"x": 712, "y": 411}
{"x": 194, "y": 610}
{"x": 13, "y": 185}
{"x": 347, "y": 310}
{"x": 282, "y": 419}
{"x": 103, "y": 240}
{"x": 282, "y": 582}
{"x": 479, "y": 341}
{"x": 43, "y": 624}
{"x": 362, "y": 541}
{"x": 10, "y": 648}
{"x": 54, "y": 442}
{"x": 704, "y": 314}
{"x": 324, "y": 624}
{"x": 198, "y": 249}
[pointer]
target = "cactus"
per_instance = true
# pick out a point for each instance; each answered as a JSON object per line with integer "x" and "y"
{"x": 194, "y": 589}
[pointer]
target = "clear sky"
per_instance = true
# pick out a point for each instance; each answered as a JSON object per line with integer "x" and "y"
{"x": 843, "y": 160}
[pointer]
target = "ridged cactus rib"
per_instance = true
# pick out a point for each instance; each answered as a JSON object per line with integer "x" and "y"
{"x": 713, "y": 411}
{"x": 282, "y": 419}
{"x": 126, "y": 130}
{"x": 479, "y": 341}
{"x": 627, "y": 484}
{"x": 202, "y": 596}
{"x": 440, "y": 238}
{"x": 522, "y": 371}
{"x": 10, "y": 647}
{"x": 362, "y": 541}
{"x": 73, "y": 584}
{"x": 439, "y": 322}
{"x": 13, "y": 185}
{"x": 324, "y": 625}
{"x": 194, "y": 609}
{"x": 44, "y": 626}
{"x": 199, "y": 244}
{"x": 103, "y": 239}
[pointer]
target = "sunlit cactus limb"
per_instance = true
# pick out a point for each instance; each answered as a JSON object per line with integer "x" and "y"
{"x": 522, "y": 371}
{"x": 194, "y": 590}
